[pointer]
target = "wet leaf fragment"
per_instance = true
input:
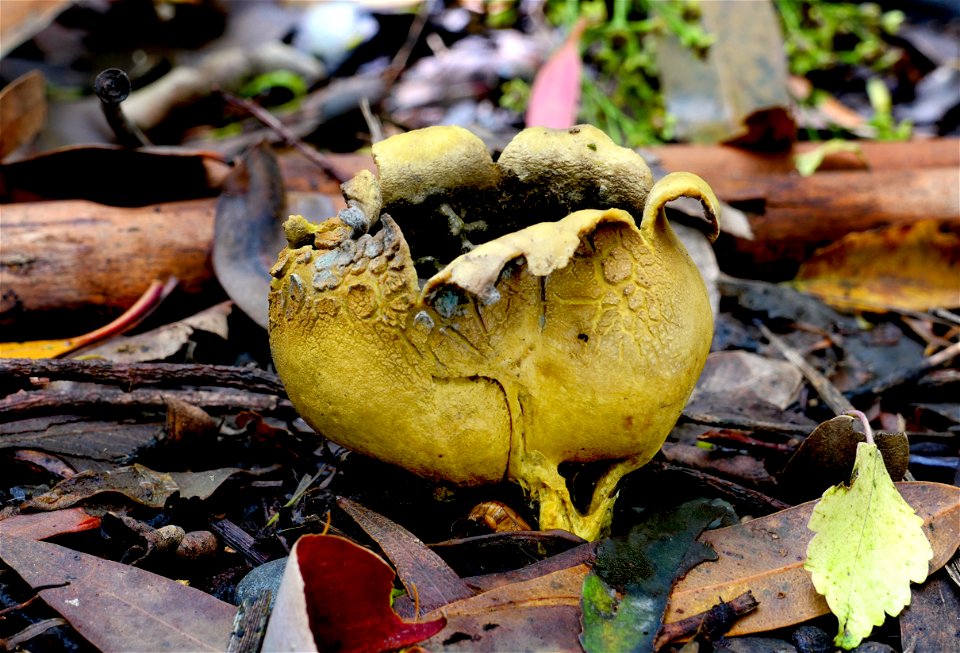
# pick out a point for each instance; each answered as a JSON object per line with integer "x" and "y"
{"x": 625, "y": 596}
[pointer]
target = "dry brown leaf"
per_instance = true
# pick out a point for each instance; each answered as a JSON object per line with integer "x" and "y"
{"x": 911, "y": 267}
{"x": 766, "y": 556}
{"x": 164, "y": 341}
{"x": 419, "y": 569}
{"x": 540, "y": 614}
{"x": 23, "y": 110}
{"x": 117, "y": 607}
{"x": 24, "y": 18}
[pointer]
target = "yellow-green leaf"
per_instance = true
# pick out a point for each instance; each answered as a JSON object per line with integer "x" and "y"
{"x": 869, "y": 545}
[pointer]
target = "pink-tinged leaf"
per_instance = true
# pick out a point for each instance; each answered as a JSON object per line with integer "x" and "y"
{"x": 335, "y": 596}
{"x": 118, "y": 607}
{"x": 555, "y": 96}
{"x": 148, "y": 301}
{"x": 41, "y": 525}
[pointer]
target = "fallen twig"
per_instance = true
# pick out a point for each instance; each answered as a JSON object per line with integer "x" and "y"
{"x": 131, "y": 375}
{"x": 23, "y": 404}
{"x": 291, "y": 139}
{"x": 827, "y": 391}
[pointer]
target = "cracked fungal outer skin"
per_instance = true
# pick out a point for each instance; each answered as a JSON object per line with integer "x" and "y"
{"x": 578, "y": 338}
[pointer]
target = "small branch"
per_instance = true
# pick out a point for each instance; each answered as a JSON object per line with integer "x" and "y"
{"x": 21, "y": 405}
{"x": 712, "y": 624}
{"x": 131, "y": 375}
{"x": 828, "y": 392}
{"x": 399, "y": 61}
{"x": 909, "y": 375}
{"x": 732, "y": 491}
{"x": 291, "y": 139}
{"x": 745, "y": 423}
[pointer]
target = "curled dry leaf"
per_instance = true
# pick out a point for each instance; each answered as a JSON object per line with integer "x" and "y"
{"x": 576, "y": 335}
{"x": 147, "y": 302}
{"x": 825, "y": 457}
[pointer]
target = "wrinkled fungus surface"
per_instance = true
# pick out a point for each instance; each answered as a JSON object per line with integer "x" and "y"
{"x": 560, "y": 331}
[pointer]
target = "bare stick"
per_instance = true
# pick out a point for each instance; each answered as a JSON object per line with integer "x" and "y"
{"x": 288, "y": 136}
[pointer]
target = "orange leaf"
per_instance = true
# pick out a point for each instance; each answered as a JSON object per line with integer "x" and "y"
{"x": 41, "y": 525}
{"x": 555, "y": 96}
{"x": 912, "y": 267}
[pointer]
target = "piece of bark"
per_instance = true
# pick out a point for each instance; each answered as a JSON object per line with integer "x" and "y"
{"x": 86, "y": 443}
{"x": 59, "y": 257}
{"x": 727, "y": 161}
{"x": 794, "y": 214}
{"x": 790, "y": 216}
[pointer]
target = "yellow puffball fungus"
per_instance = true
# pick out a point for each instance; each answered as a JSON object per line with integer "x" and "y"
{"x": 572, "y": 334}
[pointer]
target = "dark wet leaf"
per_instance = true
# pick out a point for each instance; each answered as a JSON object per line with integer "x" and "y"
{"x": 84, "y": 442}
{"x": 625, "y": 596}
{"x": 139, "y": 483}
{"x": 117, "y": 607}
{"x": 922, "y": 622}
{"x": 826, "y": 458}
{"x": 247, "y": 235}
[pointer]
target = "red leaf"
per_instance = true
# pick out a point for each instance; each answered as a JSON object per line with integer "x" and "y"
{"x": 40, "y": 526}
{"x": 555, "y": 96}
{"x": 347, "y": 593}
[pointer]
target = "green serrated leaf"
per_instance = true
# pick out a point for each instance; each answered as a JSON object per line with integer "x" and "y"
{"x": 869, "y": 545}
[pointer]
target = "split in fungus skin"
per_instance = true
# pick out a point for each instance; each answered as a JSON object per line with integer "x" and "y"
{"x": 560, "y": 331}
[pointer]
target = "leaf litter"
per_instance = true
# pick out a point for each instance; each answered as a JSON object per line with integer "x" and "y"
{"x": 742, "y": 434}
